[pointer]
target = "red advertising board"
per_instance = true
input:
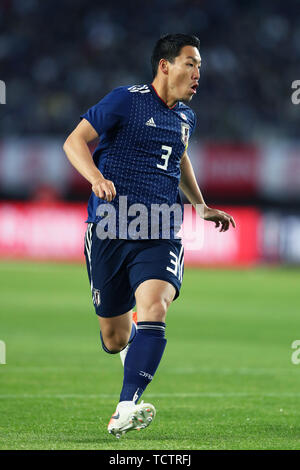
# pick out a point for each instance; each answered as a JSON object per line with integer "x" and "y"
{"x": 42, "y": 231}
{"x": 230, "y": 169}
{"x": 237, "y": 246}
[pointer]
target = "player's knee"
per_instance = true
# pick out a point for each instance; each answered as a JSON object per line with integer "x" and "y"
{"x": 114, "y": 347}
{"x": 114, "y": 343}
{"x": 157, "y": 310}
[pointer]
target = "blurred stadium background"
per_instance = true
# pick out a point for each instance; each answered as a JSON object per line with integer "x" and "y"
{"x": 59, "y": 58}
{"x": 246, "y": 147}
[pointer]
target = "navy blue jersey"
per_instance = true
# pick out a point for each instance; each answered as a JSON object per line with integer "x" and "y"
{"x": 141, "y": 144}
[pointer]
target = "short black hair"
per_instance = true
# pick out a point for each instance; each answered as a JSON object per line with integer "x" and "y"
{"x": 169, "y": 46}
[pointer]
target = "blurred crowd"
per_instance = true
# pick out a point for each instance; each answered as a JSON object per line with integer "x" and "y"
{"x": 60, "y": 57}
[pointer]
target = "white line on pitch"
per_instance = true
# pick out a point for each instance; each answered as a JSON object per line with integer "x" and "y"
{"x": 152, "y": 395}
{"x": 176, "y": 370}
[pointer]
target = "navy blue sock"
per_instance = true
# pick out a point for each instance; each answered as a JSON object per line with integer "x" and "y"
{"x": 132, "y": 336}
{"x": 143, "y": 359}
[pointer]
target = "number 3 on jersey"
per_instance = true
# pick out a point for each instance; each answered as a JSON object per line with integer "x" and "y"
{"x": 165, "y": 157}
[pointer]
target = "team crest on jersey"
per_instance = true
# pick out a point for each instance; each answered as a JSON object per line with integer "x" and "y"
{"x": 183, "y": 116}
{"x": 185, "y": 132}
{"x": 96, "y": 297}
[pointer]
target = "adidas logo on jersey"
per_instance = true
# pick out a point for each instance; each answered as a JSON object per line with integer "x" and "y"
{"x": 151, "y": 122}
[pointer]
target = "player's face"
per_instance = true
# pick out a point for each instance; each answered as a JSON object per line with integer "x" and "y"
{"x": 184, "y": 74}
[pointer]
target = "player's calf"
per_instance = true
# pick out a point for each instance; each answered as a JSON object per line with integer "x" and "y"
{"x": 124, "y": 351}
{"x": 116, "y": 332}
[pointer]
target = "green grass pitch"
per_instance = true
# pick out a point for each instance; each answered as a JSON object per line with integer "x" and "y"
{"x": 226, "y": 380}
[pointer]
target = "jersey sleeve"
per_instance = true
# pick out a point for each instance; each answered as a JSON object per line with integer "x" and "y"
{"x": 110, "y": 112}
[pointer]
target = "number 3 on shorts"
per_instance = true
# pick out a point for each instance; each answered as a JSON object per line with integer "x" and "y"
{"x": 177, "y": 262}
{"x": 165, "y": 157}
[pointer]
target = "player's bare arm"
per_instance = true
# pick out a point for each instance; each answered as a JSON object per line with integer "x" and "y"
{"x": 189, "y": 186}
{"x": 78, "y": 153}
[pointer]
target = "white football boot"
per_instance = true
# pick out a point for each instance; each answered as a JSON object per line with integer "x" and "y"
{"x": 129, "y": 417}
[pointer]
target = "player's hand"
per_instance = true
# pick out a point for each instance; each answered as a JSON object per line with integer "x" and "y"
{"x": 104, "y": 189}
{"x": 220, "y": 218}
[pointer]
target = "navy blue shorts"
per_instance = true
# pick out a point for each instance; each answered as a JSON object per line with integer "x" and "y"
{"x": 117, "y": 267}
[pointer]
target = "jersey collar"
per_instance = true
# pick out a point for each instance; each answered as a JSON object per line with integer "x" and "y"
{"x": 160, "y": 100}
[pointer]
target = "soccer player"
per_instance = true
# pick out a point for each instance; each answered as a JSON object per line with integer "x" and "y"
{"x": 143, "y": 133}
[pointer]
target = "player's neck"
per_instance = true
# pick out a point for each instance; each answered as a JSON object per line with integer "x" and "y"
{"x": 164, "y": 93}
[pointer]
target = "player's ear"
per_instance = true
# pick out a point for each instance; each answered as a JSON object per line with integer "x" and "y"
{"x": 164, "y": 66}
